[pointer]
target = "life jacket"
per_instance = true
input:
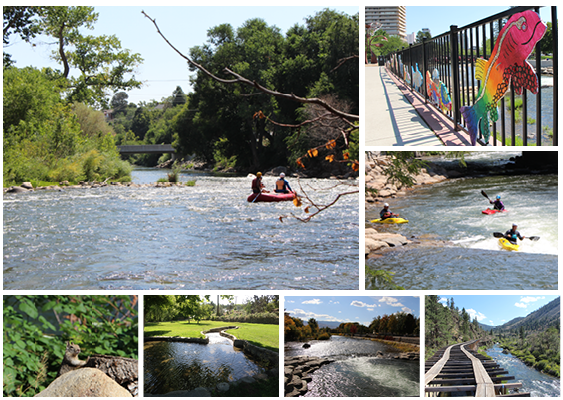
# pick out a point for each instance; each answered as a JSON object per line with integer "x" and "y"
{"x": 280, "y": 184}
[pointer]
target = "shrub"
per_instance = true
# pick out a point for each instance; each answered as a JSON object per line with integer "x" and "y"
{"x": 324, "y": 336}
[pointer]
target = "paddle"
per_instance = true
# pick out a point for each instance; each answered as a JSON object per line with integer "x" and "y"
{"x": 501, "y": 235}
{"x": 485, "y": 194}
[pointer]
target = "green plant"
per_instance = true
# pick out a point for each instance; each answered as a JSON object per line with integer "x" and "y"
{"x": 381, "y": 279}
{"x": 190, "y": 183}
{"x": 37, "y": 327}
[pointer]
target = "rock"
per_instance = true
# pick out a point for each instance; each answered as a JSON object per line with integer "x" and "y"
{"x": 27, "y": 185}
{"x": 306, "y": 345}
{"x": 223, "y": 387}
{"x": 261, "y": 377}
{"x": 247, "y": 379}
{"x": 374, "y": 245}
{"x": 392, "y": 239}
{"x": 84, "y": 382}
{"x": 17, "y": 189}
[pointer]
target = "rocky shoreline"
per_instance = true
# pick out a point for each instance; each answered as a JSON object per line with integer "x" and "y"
{"x": 27, "y": 187}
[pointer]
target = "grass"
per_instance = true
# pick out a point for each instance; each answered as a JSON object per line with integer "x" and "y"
{"x": 262, "y": 335}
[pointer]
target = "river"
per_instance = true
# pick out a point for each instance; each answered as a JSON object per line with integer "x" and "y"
{"x": 472, "y": 259}
{"x": 533, "y": 381}
{"x": 202, "y": 237}
{"x": 171, "y": 366}
{"x": 357, "y": 372}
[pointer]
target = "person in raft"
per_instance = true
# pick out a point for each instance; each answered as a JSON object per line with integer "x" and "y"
{"x": 385, "y": 213}
{"x": 282, "y": 186}
{"x": 257, "y": 185}
{"x": 512, "y": 234}
{"x": 497, "y": 204}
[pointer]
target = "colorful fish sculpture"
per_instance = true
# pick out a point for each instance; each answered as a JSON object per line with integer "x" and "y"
{"x": 437, "y": 91}
{"x": 406, "y": 75}
{"x": 417, "y": 78}
{"x": 508, "y": 63}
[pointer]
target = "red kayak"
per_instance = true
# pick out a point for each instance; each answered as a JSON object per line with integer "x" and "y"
{"x": 488, "y": 211}
{"x": 270, "y": 197}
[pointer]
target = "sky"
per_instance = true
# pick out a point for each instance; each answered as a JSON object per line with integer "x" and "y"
{"x": 360, "y": 309}
{"x": 438, "y": 19}
{"x": 496, "y": 310}
{"x": 185, "y": 27}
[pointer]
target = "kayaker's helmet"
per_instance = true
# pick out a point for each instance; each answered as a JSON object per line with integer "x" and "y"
{"x": 514, "y": 226}
{"x": 259, "y": 174}
{"x": 282, "y": 175}
{"x": 498, "y": 196}
{"x": 386, "y": 205}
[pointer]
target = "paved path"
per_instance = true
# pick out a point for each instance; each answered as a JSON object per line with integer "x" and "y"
{"x": 390, "y": 119}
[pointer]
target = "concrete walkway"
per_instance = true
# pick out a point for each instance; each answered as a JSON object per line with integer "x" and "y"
{"x": 391, "y": 120}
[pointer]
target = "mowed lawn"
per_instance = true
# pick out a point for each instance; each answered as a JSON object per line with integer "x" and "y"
{"x": 263, "y": 335}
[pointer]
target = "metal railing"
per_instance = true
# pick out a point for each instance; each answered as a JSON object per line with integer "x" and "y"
{"x": 453, "y": 55}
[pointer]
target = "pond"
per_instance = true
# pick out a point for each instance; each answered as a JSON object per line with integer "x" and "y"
{"x": 171, "y": 366}
{"x": 357, "y": 372}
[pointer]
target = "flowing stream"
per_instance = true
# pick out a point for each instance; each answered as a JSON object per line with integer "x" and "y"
{"x": 533, "y": 381}
{"x": 356, "y": 371}
{"x": 472, "y": 258}
{"x": 171, "y": 366}
{"x": 202, "y": 237}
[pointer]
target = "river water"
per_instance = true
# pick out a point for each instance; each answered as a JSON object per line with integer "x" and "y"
{"x": 171, "y": 366}
{"x": 202, "y": 237}
{"x": 533, "y": 381}
{"x": 357, "y": 372}
{"x": 473, "y": 259}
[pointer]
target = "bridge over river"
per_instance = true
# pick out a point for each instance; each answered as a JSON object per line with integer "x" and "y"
{"x": 459, "y": 370}
{"x": 147, "y": 149}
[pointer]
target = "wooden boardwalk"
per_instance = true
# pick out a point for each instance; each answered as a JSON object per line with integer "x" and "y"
{"x": 458, "y": 371}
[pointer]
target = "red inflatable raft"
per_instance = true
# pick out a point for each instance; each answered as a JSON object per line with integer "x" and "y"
{"x": 270, "y": 197}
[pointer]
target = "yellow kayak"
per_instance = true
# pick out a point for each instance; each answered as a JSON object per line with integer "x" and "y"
{"x": 505, "y": 243}
{"x": 390, "y": 221}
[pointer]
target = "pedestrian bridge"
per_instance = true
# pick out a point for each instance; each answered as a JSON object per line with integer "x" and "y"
{"x": 147, "y": 149}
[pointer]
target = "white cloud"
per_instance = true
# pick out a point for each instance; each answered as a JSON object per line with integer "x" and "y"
{"x": 475, "y": 314}
{"x": 391, "y": 301}
{"x": 528, "y": 299}
{"x": 443, "y": 300}
{"x": 357, "y": 303}
{"x": 313, "y": 301}
{"x": 521, "y": 305}
{"x": 289, "y": 301}
{"x": 306, "y": 315}
{"x": 407, "y": 310}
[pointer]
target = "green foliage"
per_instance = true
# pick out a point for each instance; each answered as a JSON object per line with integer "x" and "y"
{"x": 380, "y": 279}
{"x": 37, "y": 327}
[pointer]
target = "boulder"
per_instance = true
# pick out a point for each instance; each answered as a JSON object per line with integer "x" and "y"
{"x": 374, "y": 245}
{"x": 17, "y": 189}
{"x": 223, "y": 387}
{"x": 84, "y": 382}
{"x": 27, "y": 185}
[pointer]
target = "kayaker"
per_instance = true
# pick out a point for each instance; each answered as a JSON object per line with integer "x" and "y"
{"x": 257, "y": 185}
{"x": 512, "y": 235}
{"x": 282, "y": 186}
{"x": 385, "y": 213}
{"x": 497, "y": 204}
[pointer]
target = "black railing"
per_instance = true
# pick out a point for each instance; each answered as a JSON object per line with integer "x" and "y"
{"x": 453, "y": 55}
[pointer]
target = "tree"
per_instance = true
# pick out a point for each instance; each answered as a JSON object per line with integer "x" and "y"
{"x": 101, "y": 62}
{"x": 119, "y": 102}
{"x": 421, "y": 35}
{"x": 178, "y": 97}
{"x": 313, "y": 325}
{"x": 22, "y": 21}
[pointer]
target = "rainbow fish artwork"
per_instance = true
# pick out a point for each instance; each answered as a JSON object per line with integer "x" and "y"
{"x": 406, "y": 75}
{"x": 417, "y": 77}
{"x": 508, "y": 63}
{"x": 437, "y": 91}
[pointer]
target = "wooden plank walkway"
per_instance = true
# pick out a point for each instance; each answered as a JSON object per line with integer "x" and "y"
{"x": 457, "y": 369}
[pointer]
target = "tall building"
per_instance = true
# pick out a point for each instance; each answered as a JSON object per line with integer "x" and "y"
{"x": 393, "y": 19}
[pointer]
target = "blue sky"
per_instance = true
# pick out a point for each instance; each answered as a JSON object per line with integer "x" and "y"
{"x": 185, "y": 27}
{"x": 496, "y": 310}
{"x": 360, "y": 309}
{"x": 438, "y": 19}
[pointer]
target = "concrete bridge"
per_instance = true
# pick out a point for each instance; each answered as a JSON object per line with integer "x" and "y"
{"x": 459, "y": 370}
{"x": 147, "y": 149}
